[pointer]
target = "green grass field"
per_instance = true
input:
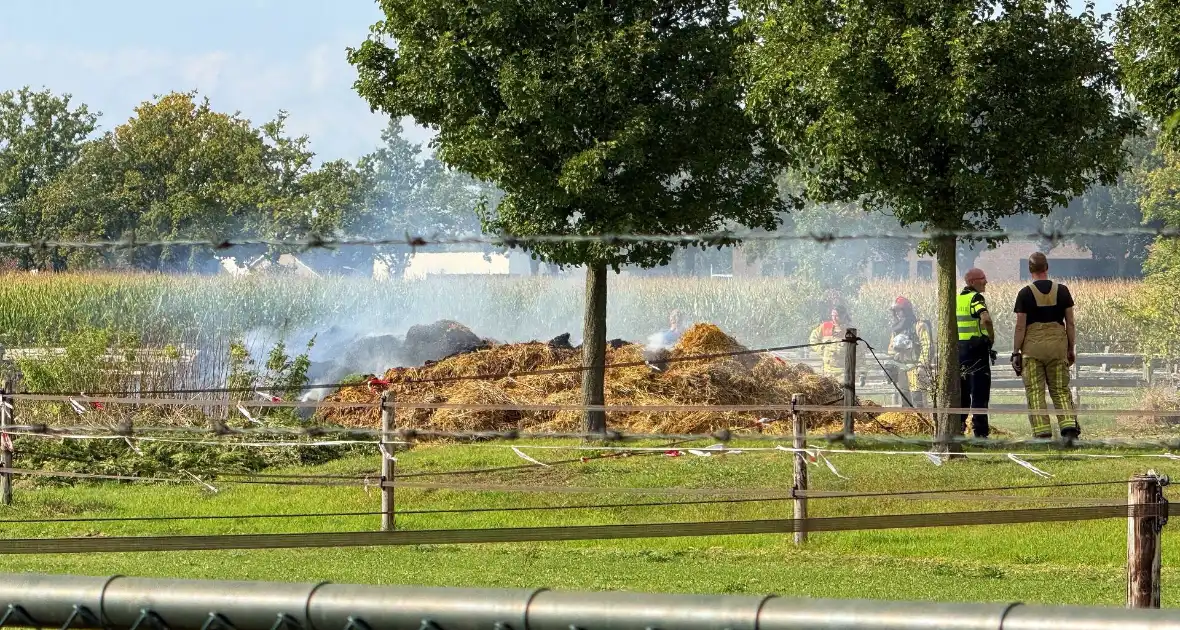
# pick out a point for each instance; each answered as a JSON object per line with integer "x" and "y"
{"x": 1077, "y": 563}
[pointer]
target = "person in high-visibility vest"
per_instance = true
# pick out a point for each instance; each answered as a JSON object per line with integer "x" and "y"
{"x": 976, "y": 336}
{"x": 1043, "y": 348}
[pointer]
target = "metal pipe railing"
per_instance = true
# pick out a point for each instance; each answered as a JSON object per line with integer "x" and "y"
{"x": 123, "y": 603}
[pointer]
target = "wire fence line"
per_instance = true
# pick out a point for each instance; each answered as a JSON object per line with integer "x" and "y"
{"x": 409, "y": 436}
{"x": 723, "y": 237}
{"x": 940, "y": 494}
{"x": 1078, "y": 501}
{"x": 651, "y": 362}
{"x": 123, "y": 544}
{"x": 397, "y": 404}
{"x": 373, "y": 480}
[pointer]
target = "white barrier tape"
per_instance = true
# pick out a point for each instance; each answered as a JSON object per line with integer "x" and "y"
{"x": 78, "y": 407}
{"x": 201, "y": 481}
{"x": 1036, "y": 471}
{"x": 133, "y": 447}
{"x": 385, "y": 452}
{"x": 273, "y": 399}
{"x": 832, "y": 468}
{"x": 785, "y": 407}
{"x": 262, "y": 444}
{"x": 813, "y": 454}
{"x": 810, "y": 451}
{"x": 810, "y": 455}
{"x": 723, "y": 449}
{"x": 521, "y": 454}
{"x": 245, "y": 413}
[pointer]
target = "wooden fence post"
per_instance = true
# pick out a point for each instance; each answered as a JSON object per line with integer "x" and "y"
{"x": 5, "y": 445}
{"x": 388, "y": 465}
{"x": 800, "y": 430}
{"x": 849, "y": 379}
{"x": 1145, "y": 522}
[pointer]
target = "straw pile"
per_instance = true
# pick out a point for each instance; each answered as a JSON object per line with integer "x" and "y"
{"x": 739, "y": 380}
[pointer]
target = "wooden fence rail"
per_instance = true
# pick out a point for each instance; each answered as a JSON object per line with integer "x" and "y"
{"x": 1096, "y": 373}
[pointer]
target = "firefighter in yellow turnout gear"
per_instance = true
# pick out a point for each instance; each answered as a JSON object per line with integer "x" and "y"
{"x": 1043, "y": 348}
{"x": 910, "y": 342}
{"x": 830, "y": 331}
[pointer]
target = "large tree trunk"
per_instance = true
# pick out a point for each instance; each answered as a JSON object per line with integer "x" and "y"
{"x": 594, "y": 348}
{"x": 947, "y": 344}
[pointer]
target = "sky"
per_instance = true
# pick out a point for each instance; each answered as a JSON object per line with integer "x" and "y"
{"x": 252, "y": 56}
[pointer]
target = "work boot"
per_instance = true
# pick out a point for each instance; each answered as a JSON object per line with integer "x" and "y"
{"x": 1069, "y": 434}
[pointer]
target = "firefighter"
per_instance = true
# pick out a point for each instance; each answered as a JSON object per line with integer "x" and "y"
{"x": 909, "y": 345}
{"x": 829, "y": 331}
{"x": 1043, "y": 348}
{"x": 976, "y": 337}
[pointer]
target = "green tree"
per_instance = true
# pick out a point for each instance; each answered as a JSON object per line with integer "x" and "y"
{"x": 954, "y": 114}
{"x": 1153, "y": 307}
{"x": 176, "y": 170}
{"x": 1161, "y": 202}
{"x": 412, "y": 195}
{"x": 1147, "y": 37}
{"x": 603, "y": 117}
{"x": 1107, "y": 207}
{"x": 41, "y": 135}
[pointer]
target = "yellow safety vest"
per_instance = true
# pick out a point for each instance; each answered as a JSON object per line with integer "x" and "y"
{"x": 970, "y": 326}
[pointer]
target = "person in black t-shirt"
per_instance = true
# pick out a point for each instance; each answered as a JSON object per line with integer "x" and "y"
{"x": 1043, "y": 348}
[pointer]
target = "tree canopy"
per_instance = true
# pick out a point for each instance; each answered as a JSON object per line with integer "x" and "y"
{"x": 598, "y": 118}
{"x": 178, "y": 169}
{"x": 41, "y": 135}
{"x": 953, "y": 114}
{"x": 1148, "y": 47}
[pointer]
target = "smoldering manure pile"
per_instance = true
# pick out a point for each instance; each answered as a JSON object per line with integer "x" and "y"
{"x": 749, "y": 379}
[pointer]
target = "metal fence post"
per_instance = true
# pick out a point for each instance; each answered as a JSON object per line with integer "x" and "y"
{"x": 849, "y": 379}
{"x": 5, "y": 445}
{"x": 800, "y": 430}
{"x": 388, "y": 465}
{"x": 1145, "y": 521}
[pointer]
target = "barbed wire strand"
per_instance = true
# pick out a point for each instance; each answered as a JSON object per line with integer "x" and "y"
{"x": 925, "y": 452}
{"x": 374, "y": 481}
{"x": 618, "y": 408}
{"x": 725, "y": 237}
{"x": 409, "y": 435}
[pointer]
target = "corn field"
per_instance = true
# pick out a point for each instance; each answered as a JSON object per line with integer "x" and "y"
{"x": 159, "y": 310}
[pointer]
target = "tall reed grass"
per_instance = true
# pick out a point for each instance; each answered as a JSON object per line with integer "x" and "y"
{"x": 204, "y": 311}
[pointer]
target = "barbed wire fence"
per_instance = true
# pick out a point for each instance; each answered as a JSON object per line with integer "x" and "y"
{"x": 1145, "y": 516}
{"x": 722, "y": 237}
